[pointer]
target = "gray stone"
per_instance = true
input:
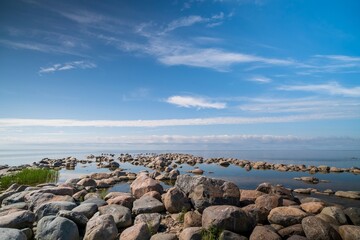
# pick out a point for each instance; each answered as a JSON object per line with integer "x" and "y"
{"x": 121, "y": 214}
{"x": 204, "y": 191}
{"x": 228, "y": 217}
{"x": 78, "y": 218}
{"x": 147, "y": 204}
{"x": 192, "y": 233}
{"x": 101, "y": 227}
{"x": 12, "y": 234}
{"x": 151, "y": 219}
{"x": 98, "y": 201}
{"x": 349, "y": 232}
{"x": 176, "y": 200}
{"x": 59, "y": 228}
{"x": 88, "y": 209}
{"x": 15, "y": 198}
{"x": 87, "y": 182}
{"x": 264, "y": 233}
{"x": 286, "y": 216}
{"x": 20, "y": 206}
{"x": 164, "y": 236}
{"x": 317, "y": 229}
{"x": 336, "y": 213}
{"x": 28, "y": 232}
{"x": 20, "y": 219}
{"x": 52, "y": 208}
{"x": 353, "y": 213}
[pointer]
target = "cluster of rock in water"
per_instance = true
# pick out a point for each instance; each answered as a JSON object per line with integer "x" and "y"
{"x": 197, "y": 207}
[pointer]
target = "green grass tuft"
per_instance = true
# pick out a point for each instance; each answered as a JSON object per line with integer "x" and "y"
{"x": 212, "y": 233}
{"x": 29, "y": 176}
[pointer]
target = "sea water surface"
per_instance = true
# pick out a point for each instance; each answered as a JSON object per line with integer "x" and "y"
{"x": 244, "y": 179}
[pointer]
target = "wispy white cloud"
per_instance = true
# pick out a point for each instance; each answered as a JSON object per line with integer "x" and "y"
{"x": 184, "y": 22}
{"x": 343, "y": 58}
{"x": 332, "y": 88}
{"x": 301, "y": 105}
{"x": 16, "y": 122}
{"x": 216, "y": 59}
{"x": 67, "y": 66}
{"x": 260, "y": 79}
{"x": 195, "y": 102}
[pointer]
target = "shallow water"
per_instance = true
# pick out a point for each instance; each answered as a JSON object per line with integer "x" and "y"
{"x": 244, "y": 179}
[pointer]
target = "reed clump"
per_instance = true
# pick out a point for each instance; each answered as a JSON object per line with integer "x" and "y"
{"x": 29, "y": 176}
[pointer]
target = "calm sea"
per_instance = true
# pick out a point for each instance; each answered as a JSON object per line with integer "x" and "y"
{"x": 244, "y": 179}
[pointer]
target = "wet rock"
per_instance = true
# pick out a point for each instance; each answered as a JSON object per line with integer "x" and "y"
{"x": 19, "y": 220}
{"x": 176, "y": 200}
{"x": 205, "y": 192}
{"x": 310, "y": 179}
{"x": 147, "y": 204}
{"x": 286, "y": 216}
{"x": 303, "y": 190}
{"x": 139, "y": 231}
{"x": 291, "y": 230}
{"x": 51, "y": 227}
{"x": 192, "y": 219}
{"x": 152, "y": 220}
{"x": 228, "y": 218}
{"x": 52, "y": 208}
{"x": 78, "y": 218}
{"x": 164, "y": 236}
{"x": 348, "y": 194}
{"x": 349, "y": 232}
{"x": 312, "y": 207}
{"x": 353, "y": 213}
{"x": 317, "y": 229}
{"x": 121, "y": 214}
{"x": 143, "y": 184}
{"x": 88, "y": 209}
{"x": 261, "y": 232}
{"x": 197, "y": 171}
{"x": 102, "y": 227}
{"x": 336, "y": 213}
{"x": 13, "y": 234}
{"x": 192, "y": 233}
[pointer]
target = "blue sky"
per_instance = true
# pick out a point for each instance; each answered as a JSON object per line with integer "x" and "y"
{"x": 201, "y": 74}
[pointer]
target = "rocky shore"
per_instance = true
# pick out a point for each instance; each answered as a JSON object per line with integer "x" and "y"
{"x": 196, "y": 207}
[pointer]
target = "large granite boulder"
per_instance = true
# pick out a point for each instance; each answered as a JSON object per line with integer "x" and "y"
{"x": 138, "y": 231}
{"x": 336, "y": 213}
{"x": 121, "y": 214}
{"x": 349, "y": 232}
{"x": 88, "y": 209}
{"x": 19, "y": 220}
{"x": 152, "y": 220}
{"x": 101, "y": 227}
{"x": 147, "y": 204}
{"x": 51, "y": 227}
{"x": 176, "y": 201}
{"x": 191, "y": 233}
{"x": 353, "y": 213}
{"x": 317, "y": 229}
{"x": 52, "y": 208}
{"x": 228, "y": 217}
{"x": 143, "y": 184}
{"x": 205, "y": 192}
{"x": 261, "y": 232}
{"x": 11, "y": 233}
{"x": 286, "y": 216}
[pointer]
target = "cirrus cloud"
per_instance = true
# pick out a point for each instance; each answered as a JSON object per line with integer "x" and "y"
{"x": 196, "y": 102}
